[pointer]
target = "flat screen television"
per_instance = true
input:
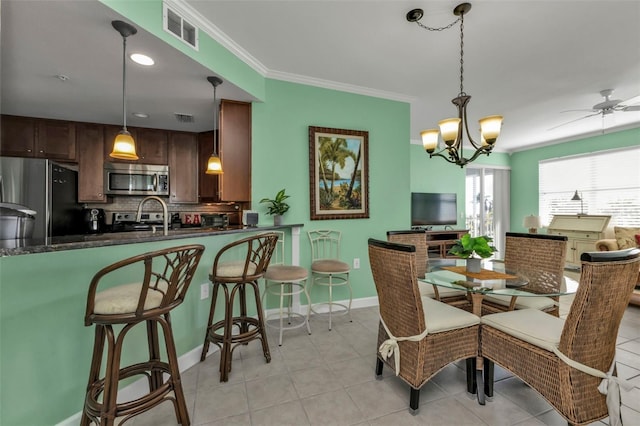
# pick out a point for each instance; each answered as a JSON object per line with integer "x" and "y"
{"x": 433, "y": 209}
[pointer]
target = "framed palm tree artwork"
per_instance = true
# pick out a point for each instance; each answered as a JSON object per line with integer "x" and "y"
{"x": 338, "y": 173}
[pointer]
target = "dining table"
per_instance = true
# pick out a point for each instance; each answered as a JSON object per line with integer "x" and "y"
{"x": 493, "y": 278}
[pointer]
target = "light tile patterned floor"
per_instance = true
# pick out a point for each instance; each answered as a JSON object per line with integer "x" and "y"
{"x": 327, "y": 378}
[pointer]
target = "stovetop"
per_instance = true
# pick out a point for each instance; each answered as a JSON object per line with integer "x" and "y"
{"x": 126, "y": 221}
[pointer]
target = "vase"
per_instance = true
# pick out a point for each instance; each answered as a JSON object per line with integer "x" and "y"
{"x": 277, "y": 220}
{"x": 474, "y": 264}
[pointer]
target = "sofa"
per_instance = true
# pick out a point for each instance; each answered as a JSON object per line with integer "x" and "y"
{"x": 624, "y": 237}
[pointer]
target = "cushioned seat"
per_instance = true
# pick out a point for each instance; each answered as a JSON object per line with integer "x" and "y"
{"x": 233, "y": 276}
{"x": 329, "y": 271}
{"x": 285, "y": 282}
{"x": 417, "y": 336}
{"x": 165, "y": 278}
{"x": 566, "y": 361}
{"x": 523, "y": 302}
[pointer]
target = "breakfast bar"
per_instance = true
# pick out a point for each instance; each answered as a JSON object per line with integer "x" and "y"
{"x": 43, "y": 293}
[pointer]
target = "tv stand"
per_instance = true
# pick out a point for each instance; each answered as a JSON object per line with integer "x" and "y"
{"x": 439, "y": 242}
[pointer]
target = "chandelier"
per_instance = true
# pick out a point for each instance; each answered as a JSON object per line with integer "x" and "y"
{"x": 453, "y": 129}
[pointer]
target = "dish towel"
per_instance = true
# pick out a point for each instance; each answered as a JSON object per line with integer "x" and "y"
{"x": 390, "y": 346}
{"x": 610, "y": 385}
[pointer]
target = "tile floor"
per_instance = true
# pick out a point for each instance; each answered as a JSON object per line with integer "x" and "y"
{"x": 327, "y": 378}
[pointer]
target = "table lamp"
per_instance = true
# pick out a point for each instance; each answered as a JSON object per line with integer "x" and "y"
{"x": 533, "y": 223}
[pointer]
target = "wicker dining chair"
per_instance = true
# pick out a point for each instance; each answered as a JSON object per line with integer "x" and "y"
{"x": 532, "y": 344}
{"x": 417, "y": 238}
{"x": 417, "y": 336}
{"x": 148, "y": 286}
{"x": 538, "y": 257}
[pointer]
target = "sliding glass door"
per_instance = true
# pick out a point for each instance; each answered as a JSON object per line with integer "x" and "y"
{"x": 487, "y": 203}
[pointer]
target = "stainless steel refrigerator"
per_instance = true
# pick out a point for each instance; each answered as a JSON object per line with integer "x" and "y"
{"x": 46, "y": 187}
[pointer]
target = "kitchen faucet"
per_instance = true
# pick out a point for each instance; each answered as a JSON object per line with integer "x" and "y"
{"x": 165, "y": 218}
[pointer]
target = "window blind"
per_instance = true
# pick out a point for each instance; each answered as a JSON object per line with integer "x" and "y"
{"x": 607, "y": 181}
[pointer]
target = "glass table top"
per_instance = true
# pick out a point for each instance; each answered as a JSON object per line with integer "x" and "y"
{"x": 493, "y": 279}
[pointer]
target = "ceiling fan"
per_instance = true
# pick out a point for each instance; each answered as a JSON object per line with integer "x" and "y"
{"x": 608, "y": 106}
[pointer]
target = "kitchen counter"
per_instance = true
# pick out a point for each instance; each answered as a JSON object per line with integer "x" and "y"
{"x": 74, "y": 242}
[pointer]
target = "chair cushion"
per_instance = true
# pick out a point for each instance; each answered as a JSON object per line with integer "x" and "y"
{"x": 525, "y": 302}
{"x": 531, "y": 325}
{"x": 234, "y": 268}
{"x": 441, "y": 317}
{"x": 426, "y": 290}
{"x": 285, "y": 273}
{"x": 124, "y": 299}
{"x": 328, "y": 266}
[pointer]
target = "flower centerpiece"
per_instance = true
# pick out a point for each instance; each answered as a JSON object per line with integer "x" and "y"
{"x": 277, "y": 207}
{"x": 474, "y": 249}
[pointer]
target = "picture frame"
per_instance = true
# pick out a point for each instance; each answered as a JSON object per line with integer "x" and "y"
{"x": 338, "y": 173}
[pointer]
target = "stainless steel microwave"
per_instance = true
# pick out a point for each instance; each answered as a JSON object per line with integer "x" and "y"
{"x": 136, "y": 179}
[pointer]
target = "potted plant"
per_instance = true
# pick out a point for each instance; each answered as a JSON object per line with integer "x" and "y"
{"x": 277, "y": 206}
{"x": 474, "y": 249}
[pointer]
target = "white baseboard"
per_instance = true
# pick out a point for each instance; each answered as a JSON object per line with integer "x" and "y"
{"x": 191, "y": 358}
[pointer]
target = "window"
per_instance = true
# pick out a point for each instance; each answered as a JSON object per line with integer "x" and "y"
{"x": 608, "y": 183}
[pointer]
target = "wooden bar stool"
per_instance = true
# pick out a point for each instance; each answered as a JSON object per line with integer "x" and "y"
{"x": 233, "y": 276}
{"x": 157, "y": 282}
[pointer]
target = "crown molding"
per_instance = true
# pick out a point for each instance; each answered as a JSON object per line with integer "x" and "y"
{"x": 218, "y": 35}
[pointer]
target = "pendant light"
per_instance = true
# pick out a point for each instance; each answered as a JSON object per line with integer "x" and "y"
{"x": 214, "y": 166}
{"x": 124, "y": 147}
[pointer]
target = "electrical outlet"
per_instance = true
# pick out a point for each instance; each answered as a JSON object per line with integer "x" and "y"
{"x": 356, "y": 263}
{"x": 204, "y": 291}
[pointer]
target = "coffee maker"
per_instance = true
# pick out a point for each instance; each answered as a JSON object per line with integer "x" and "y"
{"x": 93, "y": 220}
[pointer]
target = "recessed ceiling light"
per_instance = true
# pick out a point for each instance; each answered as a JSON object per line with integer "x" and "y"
{"x": 140, "y": 114}
{"x": 141, "y": 59}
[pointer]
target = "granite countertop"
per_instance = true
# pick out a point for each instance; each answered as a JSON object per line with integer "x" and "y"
{"x": 74, "y": 242}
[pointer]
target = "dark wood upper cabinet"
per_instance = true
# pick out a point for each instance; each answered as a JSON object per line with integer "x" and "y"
{"x": 151, "y": 145}
{"x": 235, "y": 151}
{"x": 33, "y": 137}
{"x": 18, "y": 136}
{"x": 183, "y": 167}
{"x": 90, "y": 144}
{"x": 56, "y": 140}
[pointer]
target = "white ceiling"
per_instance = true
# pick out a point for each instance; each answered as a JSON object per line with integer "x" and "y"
{"x": 529, "y": 60}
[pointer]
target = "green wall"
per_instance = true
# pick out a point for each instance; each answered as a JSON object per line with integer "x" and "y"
{"x": 280, "y": 149}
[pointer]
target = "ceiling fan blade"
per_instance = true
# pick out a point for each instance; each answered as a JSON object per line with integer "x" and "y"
{"x": 576, "y": 110}
{"x": 631, "y": 108}
{"x": 573, "y": 121}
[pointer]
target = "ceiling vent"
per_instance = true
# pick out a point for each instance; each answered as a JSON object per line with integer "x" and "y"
{"x": 184, "y": 118}
{"x": 176, "y": 24}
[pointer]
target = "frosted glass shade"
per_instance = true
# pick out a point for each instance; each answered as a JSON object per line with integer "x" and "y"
{"x": 124, "y": 147}
{"x": 214, "y": 166}
{"x": 490, "y": 128}
{"x": 430, "y": 139}
{"x": 449, "y": 129}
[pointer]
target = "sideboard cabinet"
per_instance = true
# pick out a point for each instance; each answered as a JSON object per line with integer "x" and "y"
{"x": 439, "y": 242}
{"x": 582, "y": 232}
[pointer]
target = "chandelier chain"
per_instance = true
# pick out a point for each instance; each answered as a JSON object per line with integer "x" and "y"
{"x": 438, "y": 28}
{"x": 462, "y": 55}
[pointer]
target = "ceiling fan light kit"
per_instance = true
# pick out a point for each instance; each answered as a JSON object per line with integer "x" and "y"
{"x": 124, "y": 147}
{"x": 454, "y": 129}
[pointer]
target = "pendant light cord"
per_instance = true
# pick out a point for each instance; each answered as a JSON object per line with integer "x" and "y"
{"x": 124, "y": 82}
{"x": 462, "y": 55}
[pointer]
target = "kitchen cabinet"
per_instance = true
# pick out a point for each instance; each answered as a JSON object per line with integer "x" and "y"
{"x": 39, "y": 138}
{"x": 183, "y": 167}
{"x": 151, "y": 145}
{"x": 90, "y": 145}
{"x": 582, "y": 232}
{"x": 235, "y": 154}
